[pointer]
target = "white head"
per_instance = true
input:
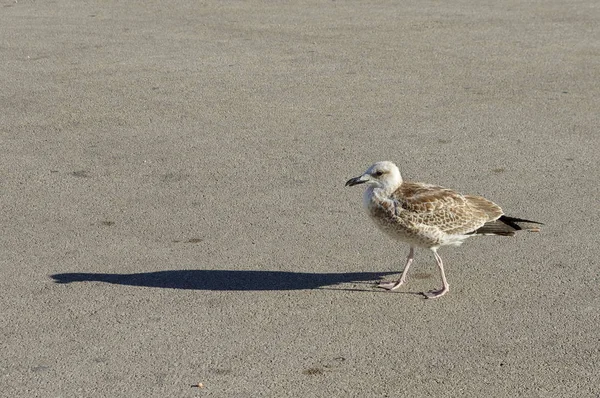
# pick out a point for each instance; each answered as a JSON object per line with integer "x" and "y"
{"x": 383, "y": 175}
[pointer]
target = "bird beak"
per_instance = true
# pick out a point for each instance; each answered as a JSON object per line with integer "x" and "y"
{"x": 356, "y": 180}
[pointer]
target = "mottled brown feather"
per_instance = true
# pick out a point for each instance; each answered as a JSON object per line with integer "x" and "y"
{"x": 492, "y": 210}
{"x": 443, "y": 208}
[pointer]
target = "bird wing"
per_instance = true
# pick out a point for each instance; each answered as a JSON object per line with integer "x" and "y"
{"x": 443, "y": 208}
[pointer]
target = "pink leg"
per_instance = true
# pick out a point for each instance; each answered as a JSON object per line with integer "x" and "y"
{"x": 396, "y": 284}
{"x": 446, "y": 287}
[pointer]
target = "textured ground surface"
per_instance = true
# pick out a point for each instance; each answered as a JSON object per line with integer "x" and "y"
{"x": 174, "y": 212}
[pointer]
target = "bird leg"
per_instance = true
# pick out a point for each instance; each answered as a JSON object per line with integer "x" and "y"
{"x": 393, "y": 285}
{"x": 446, "y": 287}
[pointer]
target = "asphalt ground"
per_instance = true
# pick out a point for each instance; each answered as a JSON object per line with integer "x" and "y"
{"x": 174, "y": 211}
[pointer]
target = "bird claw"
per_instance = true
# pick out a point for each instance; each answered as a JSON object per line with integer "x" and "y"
{"x": 390, "y": 285}
{"x": 436, "y": 293}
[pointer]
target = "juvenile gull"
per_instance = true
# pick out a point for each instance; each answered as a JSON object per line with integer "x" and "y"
{"x": 428, "y": 216}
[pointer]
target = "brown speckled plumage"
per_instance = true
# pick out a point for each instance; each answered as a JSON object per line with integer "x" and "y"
{"x": 429, "y": 216}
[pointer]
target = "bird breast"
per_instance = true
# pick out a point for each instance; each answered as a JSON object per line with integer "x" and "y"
{"x": 389, "y": 217}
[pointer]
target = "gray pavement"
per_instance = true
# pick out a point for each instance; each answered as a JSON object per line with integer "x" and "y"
{"x": 174, "y": 210}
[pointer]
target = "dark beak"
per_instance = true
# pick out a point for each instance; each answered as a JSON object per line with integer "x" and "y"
{"x": 355, "y": 181}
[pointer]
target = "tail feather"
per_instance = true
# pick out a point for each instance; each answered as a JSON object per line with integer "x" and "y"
{"x": 507, "y": 226}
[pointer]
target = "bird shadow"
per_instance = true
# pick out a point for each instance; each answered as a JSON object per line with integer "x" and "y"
{"x": 228, "y": 280}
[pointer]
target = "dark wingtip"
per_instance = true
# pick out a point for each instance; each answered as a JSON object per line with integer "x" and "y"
{"x": 515, "y": 219}
{"x": 514, "y": 222}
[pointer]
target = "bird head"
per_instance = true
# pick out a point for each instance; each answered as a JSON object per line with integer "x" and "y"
{"x": 380, "y": 175}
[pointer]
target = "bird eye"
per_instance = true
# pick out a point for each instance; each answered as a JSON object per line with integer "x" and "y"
{"x": 378, "y": 173}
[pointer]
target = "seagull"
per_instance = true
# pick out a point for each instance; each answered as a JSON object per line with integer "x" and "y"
{"x": 429, "y": 216}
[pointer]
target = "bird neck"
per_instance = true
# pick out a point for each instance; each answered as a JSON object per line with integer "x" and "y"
{"x": 375, "y": 194}
{"x": 386, "y": 189}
